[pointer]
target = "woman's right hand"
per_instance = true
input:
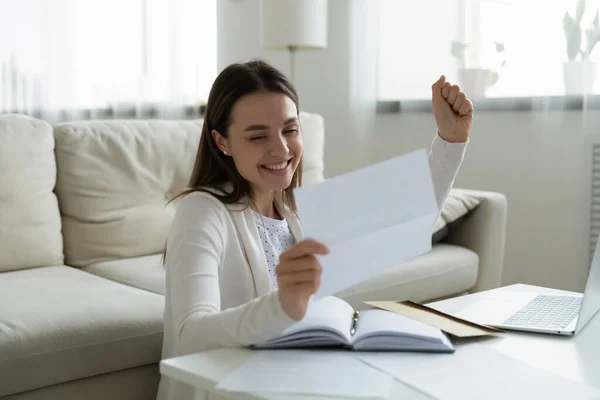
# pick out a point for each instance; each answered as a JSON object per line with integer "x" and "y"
{"x": 299, "y": 276}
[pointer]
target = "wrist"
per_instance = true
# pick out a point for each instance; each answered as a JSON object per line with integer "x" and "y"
{"x": 454, "y": 138}
{"x": 291, "y": 310}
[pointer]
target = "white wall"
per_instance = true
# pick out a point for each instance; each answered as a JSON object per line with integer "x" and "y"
{"x": 536, "y": 159}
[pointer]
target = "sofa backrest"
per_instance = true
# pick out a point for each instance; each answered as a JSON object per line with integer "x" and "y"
{"x": 313, "y": 133}
{"x": 115, "y": 176}
{"x": 30, "y": 227}
{"x": 113, "y": 180}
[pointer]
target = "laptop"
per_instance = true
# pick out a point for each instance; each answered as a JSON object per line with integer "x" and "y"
{"x": 539, "y": 312}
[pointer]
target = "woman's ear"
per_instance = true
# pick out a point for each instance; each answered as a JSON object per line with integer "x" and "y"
{"x": 220, "y": 141}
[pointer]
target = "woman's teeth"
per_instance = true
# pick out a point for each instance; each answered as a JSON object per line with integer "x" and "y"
{"x": 276, "y": 167}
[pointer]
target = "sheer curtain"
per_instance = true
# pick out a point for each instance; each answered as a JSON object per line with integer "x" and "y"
{"x": 364, "y": 45}
{"x": 74, "y": 59}
{"x": 518, "y": 47}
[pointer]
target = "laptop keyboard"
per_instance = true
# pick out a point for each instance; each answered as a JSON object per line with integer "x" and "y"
{"x": 547, "y": 311}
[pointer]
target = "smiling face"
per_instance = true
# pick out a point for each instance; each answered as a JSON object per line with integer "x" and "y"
{"x": 264, "y": 140}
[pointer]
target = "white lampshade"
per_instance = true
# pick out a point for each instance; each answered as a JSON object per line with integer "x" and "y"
{"x": 298, "y": 23}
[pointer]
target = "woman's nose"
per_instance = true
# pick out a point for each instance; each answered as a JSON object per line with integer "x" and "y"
{"x": 279, "y": 146}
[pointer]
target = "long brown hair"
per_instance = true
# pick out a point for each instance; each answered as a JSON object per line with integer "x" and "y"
{"x": 214, "y": 170}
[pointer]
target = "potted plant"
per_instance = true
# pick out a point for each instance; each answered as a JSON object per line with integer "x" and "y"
{"x": 475, "y": 80}
{"x": 579, "y": 72}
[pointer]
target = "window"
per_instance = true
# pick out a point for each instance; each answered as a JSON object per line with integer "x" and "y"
{"x": 80, "y": 54}
{"x": 416, "y": 40}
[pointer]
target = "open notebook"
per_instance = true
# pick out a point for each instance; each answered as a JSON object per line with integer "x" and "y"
{"x": 331, "y": 322}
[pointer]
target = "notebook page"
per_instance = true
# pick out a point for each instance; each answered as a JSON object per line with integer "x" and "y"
{"x": 377, "y": 322}
{"x": 329, "y": 313}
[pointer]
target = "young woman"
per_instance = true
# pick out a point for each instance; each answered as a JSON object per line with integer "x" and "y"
{"x": 238, "y": 270}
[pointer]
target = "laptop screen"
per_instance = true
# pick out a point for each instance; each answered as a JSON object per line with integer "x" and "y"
{"x": 591, "y": 297}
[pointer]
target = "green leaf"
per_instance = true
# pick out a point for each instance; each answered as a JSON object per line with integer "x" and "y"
{"x": 568, "y": 24}
{"x": 596, "y": 23}
{"x": 580, "y": 10}
{"x": 492, "y": 78}
{"x": 458, "y": 49}
{"x": 574, "y": 45}
{"x": 592, "y": 38}
{"x": 573, "y": 36}
{"x": 499, "y": 47}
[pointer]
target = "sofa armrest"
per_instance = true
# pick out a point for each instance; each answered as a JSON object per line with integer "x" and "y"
{"x": 484, "y": 232}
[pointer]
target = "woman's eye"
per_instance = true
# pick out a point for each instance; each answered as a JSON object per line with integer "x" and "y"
{"x": 256, "y": 138}
{"x": 292, "y": 131}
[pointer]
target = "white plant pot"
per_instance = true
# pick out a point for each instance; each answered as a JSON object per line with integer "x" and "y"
{"x": 473, "y": 81}
{"x": 580, "y": 77}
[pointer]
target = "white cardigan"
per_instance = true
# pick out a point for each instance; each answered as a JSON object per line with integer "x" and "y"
{"x": 218, "y": 291}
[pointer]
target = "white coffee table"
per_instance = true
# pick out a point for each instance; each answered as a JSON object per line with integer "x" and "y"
{"x": 577, "y": 358}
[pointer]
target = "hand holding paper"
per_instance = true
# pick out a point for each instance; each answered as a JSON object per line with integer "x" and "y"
{"x": 298, "y": 276}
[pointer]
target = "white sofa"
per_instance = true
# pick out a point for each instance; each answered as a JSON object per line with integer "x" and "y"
{"x": 82, "y": 224}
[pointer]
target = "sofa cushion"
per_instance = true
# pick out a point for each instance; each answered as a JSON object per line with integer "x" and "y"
{"x": 444, "y": 271}
{"x": 113, "y": 181}
{"x": 63, "y": 324}
{"x": 139, "y": 383}
{"x": 30, "y": 226}
{"x": 146, "y": 272}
